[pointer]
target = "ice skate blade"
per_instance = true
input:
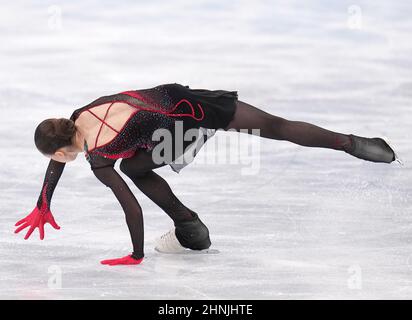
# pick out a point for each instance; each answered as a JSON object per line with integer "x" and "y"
{"x": 191, "y": 252}
{"x": 397, "y": 157}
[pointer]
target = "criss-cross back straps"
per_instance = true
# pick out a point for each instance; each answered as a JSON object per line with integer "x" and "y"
{"x": 103, "y": 122}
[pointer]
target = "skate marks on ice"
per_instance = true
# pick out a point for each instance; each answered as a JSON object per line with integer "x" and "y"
{"x": 190, "y": 252}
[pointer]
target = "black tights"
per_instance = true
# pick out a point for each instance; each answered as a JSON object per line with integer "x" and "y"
{"x": 140, "y": 167}
{"x": 273, "y": 127}
{"x": 139, "y": 170}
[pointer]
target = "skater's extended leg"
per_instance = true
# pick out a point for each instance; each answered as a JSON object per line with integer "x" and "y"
{"x": 309, "y": 135}
{"x": 274, "y": 127}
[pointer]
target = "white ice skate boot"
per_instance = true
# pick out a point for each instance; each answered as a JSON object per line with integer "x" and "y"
{"x": 168, "y": 243}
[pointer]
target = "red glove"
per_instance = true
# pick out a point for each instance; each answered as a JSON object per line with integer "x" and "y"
{"x": 36, "y": 219}
{"x": 128, "y": 260}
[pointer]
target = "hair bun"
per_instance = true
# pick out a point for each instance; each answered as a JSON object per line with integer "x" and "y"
{"x": 52, "y": 134}
{"x": 65, "y": 130}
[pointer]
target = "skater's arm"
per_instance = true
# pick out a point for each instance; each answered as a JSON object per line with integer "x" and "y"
{"x": 41, "y": 214}
{"x": 51, "y": 178}
{"x": 133, "y": 212}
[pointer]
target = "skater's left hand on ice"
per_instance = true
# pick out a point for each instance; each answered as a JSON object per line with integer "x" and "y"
{"x": 36, "y": 219}
{"x": 127, "y": 260}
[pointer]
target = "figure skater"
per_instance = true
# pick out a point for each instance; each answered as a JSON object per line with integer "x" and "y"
{"x": 122, "y": 126}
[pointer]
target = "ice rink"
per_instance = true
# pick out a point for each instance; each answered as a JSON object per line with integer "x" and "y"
{"x": 309, "y": 223}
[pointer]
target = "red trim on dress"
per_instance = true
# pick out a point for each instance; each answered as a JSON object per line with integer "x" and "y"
{"x": 126, "y": 154}
{"x": 134, "y": 94}
{"x": 103, "y": 122}
{"x": 44, "y": 203}
{"x": 124, "y": 125}
{"x": 169, "y": 113}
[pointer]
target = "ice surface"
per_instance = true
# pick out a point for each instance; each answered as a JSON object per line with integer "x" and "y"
{"x": 311, "y": 223}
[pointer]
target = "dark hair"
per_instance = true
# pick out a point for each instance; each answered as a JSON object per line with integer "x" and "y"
{"x": 52, "y": 135}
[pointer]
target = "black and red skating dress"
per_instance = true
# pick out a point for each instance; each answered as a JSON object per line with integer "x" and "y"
{"x": 159, "y": 108}
{"x": 156, "y": 108}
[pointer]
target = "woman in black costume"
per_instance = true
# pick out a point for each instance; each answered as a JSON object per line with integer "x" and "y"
{"x": 121, "y": 126}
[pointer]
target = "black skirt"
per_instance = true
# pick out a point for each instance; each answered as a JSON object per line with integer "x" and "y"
{"x": 216, "y": 108}
{"x": 219, "y": 106}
